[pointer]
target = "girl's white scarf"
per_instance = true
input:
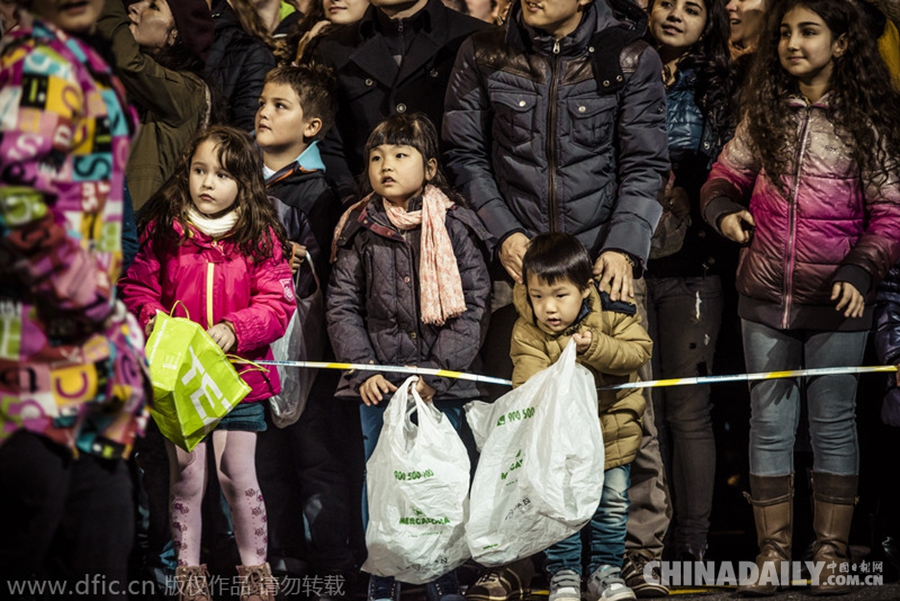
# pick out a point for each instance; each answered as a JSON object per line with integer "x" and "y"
{"x": 214, "y": 228}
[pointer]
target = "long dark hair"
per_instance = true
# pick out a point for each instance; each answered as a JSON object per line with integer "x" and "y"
{"x": 240, "y": 158}
{"x": 414, "y": 130}
{"x": 710, "y": 58}
{"x": 862, "y": 102}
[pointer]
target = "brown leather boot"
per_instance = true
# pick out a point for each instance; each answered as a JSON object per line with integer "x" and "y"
{"x": 192, "y": 583}
{"x": 257, "y": 583}
{"x": 772, "y": 498}
{"x": 834, "y": 497}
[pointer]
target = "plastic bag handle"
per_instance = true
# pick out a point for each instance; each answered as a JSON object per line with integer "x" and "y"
{"x": 312, "y": 268}
{"x": 399, "y": 412}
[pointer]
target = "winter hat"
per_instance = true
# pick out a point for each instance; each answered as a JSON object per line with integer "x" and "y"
{"x": 195, "y": 25}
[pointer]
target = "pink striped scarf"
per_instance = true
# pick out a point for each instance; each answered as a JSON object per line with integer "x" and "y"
{"x": 441, "y": 287}
{"x": 439, "y": 281}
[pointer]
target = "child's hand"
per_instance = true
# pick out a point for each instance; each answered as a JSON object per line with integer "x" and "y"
{"x": 425, "y": 391}
{"x": 582, "y": 341}
{"x": 372, "y": 390}
{"x": 848, "y": 297}
{"x": 737, "y": 227}
{"x": 297, "y": 255}
{"x": 223, "y": 335}
{"x": 149, "y": 327}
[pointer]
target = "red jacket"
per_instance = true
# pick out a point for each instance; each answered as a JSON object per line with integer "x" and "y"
{"x": 215, "y": 282}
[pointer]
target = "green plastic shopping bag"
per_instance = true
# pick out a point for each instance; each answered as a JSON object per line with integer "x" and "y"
{"x": 194, "y": 383}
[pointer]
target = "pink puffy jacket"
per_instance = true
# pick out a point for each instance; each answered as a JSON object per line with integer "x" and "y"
{"x": 828, "y": 230}
{"x": 215, "y": 282}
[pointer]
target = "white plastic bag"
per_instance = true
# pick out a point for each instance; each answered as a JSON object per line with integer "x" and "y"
{"x": 540, "y": 475}
{"x": 418, "y": 483}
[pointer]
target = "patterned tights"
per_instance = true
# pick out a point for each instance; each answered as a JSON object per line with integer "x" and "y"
{"x": 235, "y": 454}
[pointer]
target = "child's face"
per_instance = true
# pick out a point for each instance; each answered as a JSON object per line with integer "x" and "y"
{"x": 281, "y": 126}
{"x": 398, "y": 173}
{"x": 555, "y": 305}
{"x": 807, "y": 48}
{"x": 678, "y": 24}
{"x": 213, "y": 189}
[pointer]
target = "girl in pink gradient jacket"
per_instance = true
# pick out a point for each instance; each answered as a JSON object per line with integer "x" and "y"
{"x": 211, "y": 242}
{"x": 818, "y": 157}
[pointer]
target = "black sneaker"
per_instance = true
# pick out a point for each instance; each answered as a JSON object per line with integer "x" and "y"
{"x": 633, "y": 574}
{"x": 383, "y": 588}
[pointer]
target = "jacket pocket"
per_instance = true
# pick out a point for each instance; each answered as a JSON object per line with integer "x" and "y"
{"x": 592, "y": 119}
{"x": 514, "y": 115}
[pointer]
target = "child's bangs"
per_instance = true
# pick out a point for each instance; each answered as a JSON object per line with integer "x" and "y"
{"x": 395, "y": 135}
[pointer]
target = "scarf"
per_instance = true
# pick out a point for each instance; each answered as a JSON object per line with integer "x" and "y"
{"x": 214, "y": 228}
{"x": 440, "y": 285}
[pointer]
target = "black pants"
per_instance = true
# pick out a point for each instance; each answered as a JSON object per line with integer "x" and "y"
{"x": 63, "y": 519}
{"x": 303, "y": 467}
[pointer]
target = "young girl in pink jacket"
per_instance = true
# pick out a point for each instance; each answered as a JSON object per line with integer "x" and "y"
{"x": 816, "y": 156}
{"x": 212, "y": 250}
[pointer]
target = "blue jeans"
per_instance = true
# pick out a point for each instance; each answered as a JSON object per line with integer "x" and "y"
{"x": 775, "y": 404}
{"x": 684, "y": 317}
{"x": 607, "y": 529}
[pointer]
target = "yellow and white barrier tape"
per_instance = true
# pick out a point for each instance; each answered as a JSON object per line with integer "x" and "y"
{"x": 420, "y": 371}
{"x": 446, "y": 373}
{"x": 765, "y": 375}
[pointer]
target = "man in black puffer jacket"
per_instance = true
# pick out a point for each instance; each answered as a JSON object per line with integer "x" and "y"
{"x": 559, "y": 125}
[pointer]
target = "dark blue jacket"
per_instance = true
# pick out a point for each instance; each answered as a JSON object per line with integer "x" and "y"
{"x": 695, "y": 140}
{"x": 568, "y": 136}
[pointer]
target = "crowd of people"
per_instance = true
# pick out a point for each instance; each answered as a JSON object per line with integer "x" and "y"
{"x": 470, "y": 186}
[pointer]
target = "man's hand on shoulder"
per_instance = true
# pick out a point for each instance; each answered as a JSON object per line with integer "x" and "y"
{"x": 614, "y": 268}
{"x": 511, "y": 252}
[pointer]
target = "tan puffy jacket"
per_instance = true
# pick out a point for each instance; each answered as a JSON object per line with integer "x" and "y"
{"x": 619, "y": 348}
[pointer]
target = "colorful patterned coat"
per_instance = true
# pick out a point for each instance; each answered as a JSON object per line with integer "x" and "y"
{"x": 71, "y": 358}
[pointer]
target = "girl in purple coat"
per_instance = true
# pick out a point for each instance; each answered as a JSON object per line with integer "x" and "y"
{"x": 213, "y": 249}
{"x": 817, "y": 156}
{"x": 410, "y": 286}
